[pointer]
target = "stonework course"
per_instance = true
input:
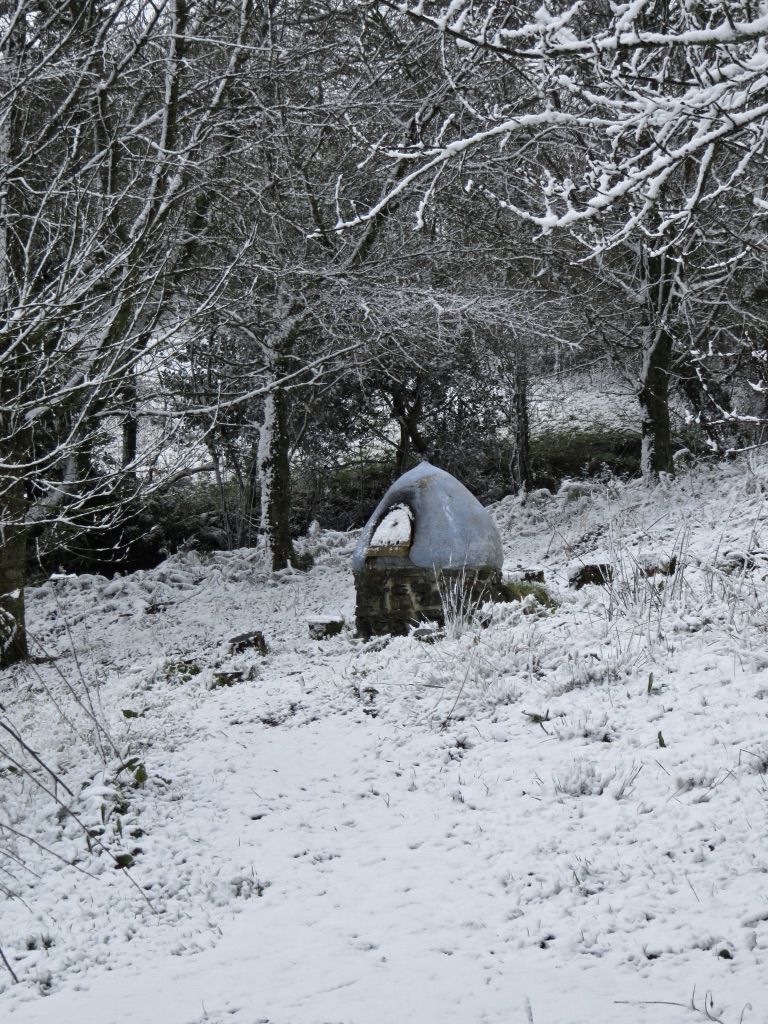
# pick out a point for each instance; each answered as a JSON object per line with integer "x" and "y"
{"x": 395, "y": 598}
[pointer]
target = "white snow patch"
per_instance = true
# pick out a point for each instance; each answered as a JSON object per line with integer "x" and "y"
{"x": 394, "y": 528}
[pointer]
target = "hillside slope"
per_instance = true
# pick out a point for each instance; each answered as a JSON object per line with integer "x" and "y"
{"x": 561, "y": 818}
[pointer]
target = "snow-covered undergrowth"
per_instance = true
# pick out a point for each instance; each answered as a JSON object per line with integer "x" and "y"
{"x": 560, "y": 817}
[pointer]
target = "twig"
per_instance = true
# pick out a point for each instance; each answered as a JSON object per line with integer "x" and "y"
{"x": 56, "y": 778}
{"x": 10, "y": 970}
{"x": 101, "y": 731}
{"x": 446, "y": 720}
{"x": 4, "y": 827}
{"x": 708, "y": 1002}
{"x": 651, "y": 1002}
{"x": 86, "y": 831}
{"x": 692, "y": 889}
{"x": 90, "y": 710}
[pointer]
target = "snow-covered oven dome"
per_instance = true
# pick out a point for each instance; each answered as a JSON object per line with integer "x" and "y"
{"x": 426, "y": 527}
{"x": 438, "y": 524}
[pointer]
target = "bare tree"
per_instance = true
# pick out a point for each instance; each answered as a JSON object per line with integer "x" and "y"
{"x": 306, "y": 301}
{"x": 628, "y": 129}
{"x": 110, "y": 121}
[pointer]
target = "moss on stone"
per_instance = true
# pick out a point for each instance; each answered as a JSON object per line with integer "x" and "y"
{"x": 518, "y": 590}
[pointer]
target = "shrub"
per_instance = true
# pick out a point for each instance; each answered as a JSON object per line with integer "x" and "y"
{"x": 187, "y": 514}
{"x": 339, "y": 497}
{"x": 557, "y": 455}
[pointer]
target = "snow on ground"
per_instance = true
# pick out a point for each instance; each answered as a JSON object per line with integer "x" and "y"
{"x": 561, "y": 818}
{"x": 592, "y": 398}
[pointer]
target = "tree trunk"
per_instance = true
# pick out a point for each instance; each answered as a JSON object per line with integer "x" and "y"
{"x": 13, "y": 551}
{"x": 402, "y": 450}
{"x": 275, "y": 480}
{"x": 408, "y": 418}
{"x": 250, "y": 499}
{"x": 656, "y": 452}
{"x": 129, "y": 428}
{"x": 653, "y": 393}
{"x": 13, "y": 436}
{"x": 520, "y": 465}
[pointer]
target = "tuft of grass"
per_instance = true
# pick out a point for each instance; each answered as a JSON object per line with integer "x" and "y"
{"x": 223, "y": 679}
{"x": 537, "y": 718}
{"x": 181, "y": 671}
{"x": 462, "y": 600}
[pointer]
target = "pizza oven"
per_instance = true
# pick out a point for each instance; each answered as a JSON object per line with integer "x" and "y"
{"x": 427, "y": 530}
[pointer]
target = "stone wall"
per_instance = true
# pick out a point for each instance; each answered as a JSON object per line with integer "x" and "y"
{"x": 393, "y": 598}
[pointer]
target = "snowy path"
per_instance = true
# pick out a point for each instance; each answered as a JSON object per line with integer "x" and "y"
{"x": 386, "y": 899}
